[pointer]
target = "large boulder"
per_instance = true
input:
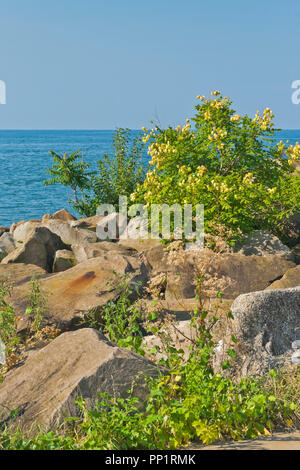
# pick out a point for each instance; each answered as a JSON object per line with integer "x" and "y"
{"x": 75, "y": 292}
{"x": 231, "y": 273}
{"x": 7, "y": 244}
{"x": 62, "y": 214}
{"x": 85, "y": 251}
{"x": 265, "y": 326}
{"x": 77, "y": 364}
{"x": 68, "y": 234}
{"x": 21, "y": 230}
{"x": 262, "y": 243}
{"x": 16, "y": 224}
{"x": 38, "y": 248}
{"x": 240, "y": 274}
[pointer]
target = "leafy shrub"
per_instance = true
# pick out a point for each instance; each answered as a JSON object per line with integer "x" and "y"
{"x": 37, "y": 305}
{"x": 231, "y": 164}
{"x": 119, "y": 319}
{"x": 70, "y": 172}
{"x": 8, "y": 325}
{"x": 118, "y": 174}
{"x": 115, "y": 175}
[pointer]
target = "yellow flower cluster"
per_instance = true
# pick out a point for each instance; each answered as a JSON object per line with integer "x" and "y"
{"x": 221, "y": 187}
{"x": 157, "y": 151}
{"x": 217, "y": 134}
{"x": 293, "y": 152}
{"x": 146, "y": 138}
{"x": 281, "y": 146}
{"x": 217, "y": 104}
{"x": 265, "y": 120}
{"x": 235, "y": 118}
{"x": 201, "y": 170}
{"x": 207, "y": 115}
{"x": 148, "y": 134}
{"x": 248, "y": 179}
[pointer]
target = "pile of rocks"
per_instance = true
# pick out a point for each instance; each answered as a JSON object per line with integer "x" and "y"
{"x": 261, "y": 283}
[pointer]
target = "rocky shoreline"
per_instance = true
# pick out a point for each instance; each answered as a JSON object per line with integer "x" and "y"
{"x": 260, "y": 282}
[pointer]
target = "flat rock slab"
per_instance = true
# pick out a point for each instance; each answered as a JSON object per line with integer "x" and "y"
{"x": 20, "y": 273}
{"x": 80, "y": 363}
{"x": 75, "y": 292}
{"x": 85, "y": 251}
{"x": 278, "y": 441}
{"x": 242, "y": 273}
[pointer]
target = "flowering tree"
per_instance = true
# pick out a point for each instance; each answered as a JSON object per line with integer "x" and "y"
{"x": 229, "y": 163}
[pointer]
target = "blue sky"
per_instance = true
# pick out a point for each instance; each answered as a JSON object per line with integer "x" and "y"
{"x": 99, "y": 64}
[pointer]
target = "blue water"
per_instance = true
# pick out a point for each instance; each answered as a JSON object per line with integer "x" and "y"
{"x": 24, "y": 159}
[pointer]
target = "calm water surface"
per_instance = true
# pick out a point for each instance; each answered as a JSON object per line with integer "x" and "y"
{"x": 24, "y": 159}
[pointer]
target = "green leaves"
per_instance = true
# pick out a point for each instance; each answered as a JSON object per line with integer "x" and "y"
{"x": 115, "y": 175}
{"x": 229, "y": 163}
{"x": 8, "y": 322}
{"x": 68, "y": 171}
{"x": 119, "y": 319}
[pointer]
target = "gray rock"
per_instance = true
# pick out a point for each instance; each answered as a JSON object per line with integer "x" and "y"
{"x": 70, "y": 235}
{"x": 38, "y": 248}
{"x": 86, "y": 251}
{"x": 262, "y": 243}
{"x": 21, "y": 231}
{"x": 61, "y": 215}
{"x": 80, "y": 363}
{"x": 7, "y": 244}
{"x": 265, "y": 325}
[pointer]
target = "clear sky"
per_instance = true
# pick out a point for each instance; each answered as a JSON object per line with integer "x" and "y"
{"x": 99, "y": 64}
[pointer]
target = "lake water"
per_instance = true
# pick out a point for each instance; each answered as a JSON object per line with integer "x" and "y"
{"x": 24, "y": 159}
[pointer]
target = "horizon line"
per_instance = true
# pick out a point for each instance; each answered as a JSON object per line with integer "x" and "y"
{"x": 112, "y": 129}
